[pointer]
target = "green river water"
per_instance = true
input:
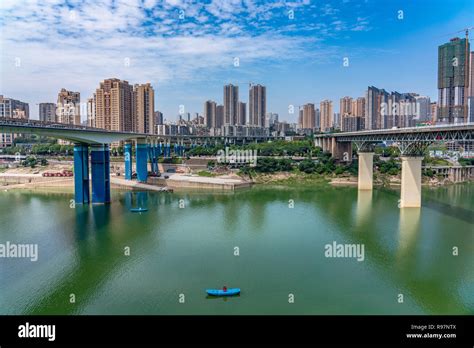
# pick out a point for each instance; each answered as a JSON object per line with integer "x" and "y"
{"x": 281, "y": 267}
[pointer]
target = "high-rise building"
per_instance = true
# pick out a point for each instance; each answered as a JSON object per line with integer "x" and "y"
{"x": 326, "y": 112}
{"x": 345, "y": 107}
{"x": 423, "y": 108}
{"x": 144, "y": 108}
{"x": 434, "y": 111}
{"x": 91, "y": 111}
{"x": 210, "y": 111}
{"x": 358, "y": 107}
{"x": 12, "y": 108}
{"x": 300, "y": 119}
{"x": 68, "y": 107}
{"x": 219, "y": 116}
{"x": 242, "y": 114}
{"x": 47, "y": 112}
{"x": 231, "y": 103}
{"x": 471, "y": 74}
{"x": 318, "y": 119}
{"x": 270, "y": 119}
{"x": 158, "y": 117}
{"x": 373, "y": 107}
{"x": 453, "y": 81}
{"x": 115, "y": 105}
{"x": 257, "y": 105}
{"x": 470, "y": 109}
{"x": 309, "y": 116}
{"x": 352, "y": 123}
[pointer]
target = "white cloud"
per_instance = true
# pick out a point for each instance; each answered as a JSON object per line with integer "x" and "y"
{"x": 77, "y": 45}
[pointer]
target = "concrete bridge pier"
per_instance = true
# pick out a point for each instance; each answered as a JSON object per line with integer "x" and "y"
{"x": 100, "y": 172}
{"x": 142, "y": 160}
{"x": 366, "y": 170}
{"x": 128, "y": 160}
{"x": 81, "y": 174}
{"x": 155, "y": 156}
{"x": 341, "y": 151}
{"x": 410, "y": 195}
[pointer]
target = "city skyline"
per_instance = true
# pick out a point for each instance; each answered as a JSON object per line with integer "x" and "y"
{"x": 193, "y": 50}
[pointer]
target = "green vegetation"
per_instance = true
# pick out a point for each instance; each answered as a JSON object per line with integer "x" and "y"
{"x": 30, "y": 161}
{"x": 273, "y": 148}
{"x": 206, "y": 174}
{"x": 434, "y": 161}
{"x": 429, "y": 172}
{"x": 389, "y": 151}
{"x": 172, "y": 160}
{"x": 466, "y": 161}
{"x": 390, "y": 167}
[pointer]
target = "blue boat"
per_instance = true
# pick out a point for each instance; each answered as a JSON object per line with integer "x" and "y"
{"x": 138, "y": 210}
{"x": 220, "y": 292}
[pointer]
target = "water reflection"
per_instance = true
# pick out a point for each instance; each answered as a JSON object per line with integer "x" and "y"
{"x": 409, "y": 230}
{"x": 364, "y": 207}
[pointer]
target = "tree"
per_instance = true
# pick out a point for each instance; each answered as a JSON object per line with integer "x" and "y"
{"x": 307, "y": 166}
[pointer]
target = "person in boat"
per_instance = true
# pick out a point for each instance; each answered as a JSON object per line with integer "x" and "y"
{"x": 224, "y": 288}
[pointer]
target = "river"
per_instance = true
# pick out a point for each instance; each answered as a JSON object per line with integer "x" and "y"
{"x": 268, "y": 241}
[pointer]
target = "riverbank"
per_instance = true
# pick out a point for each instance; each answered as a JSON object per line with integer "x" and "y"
{"x": 296, "y": 178}
{"x": 228, "y": 180}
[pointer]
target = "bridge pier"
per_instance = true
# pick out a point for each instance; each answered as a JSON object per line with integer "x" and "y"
{"x": 154, "y": 157}
{"x": 142, "y": 160}
{"x": 81, "y": 174}
{"x": 410, "y": 195}
{"x": 128, "y": 160}
{"x": 100, "y": 172}
{"x": 366, "y": 170}
{"x": 341, "y": 151}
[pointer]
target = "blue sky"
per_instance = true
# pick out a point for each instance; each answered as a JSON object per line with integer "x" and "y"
{"x": 187, "y": 49}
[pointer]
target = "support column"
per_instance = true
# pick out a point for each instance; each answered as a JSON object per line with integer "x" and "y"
{"x": 100, "y": 170}
{"x": 154, "y": 163}
{"x": 81, "y": 174}
{"x": 366, "y": 170}
{"x": 142, "y": 160}
{"x": 411, "y": 182}
{"x": 128, "y": 161}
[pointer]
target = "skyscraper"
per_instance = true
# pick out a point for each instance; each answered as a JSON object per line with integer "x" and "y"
{"x": 326, "y": 114}
{"x": 12, "y": 108}
{"x": 257, "y": 105}
{"x": 91, "y": 111}
{"x": 47, "y": 112}
{"x": 424, "y": 108}
{"x": 345, "y": 107}
{"x": 471, "y": 74}
{"x": 231, "y": 103}
{"x": 373, "y": 115}
{"x": 144, "y": 112}
{"x": 219, "y": 116}
{"x": 434, "y": 111}
{"x": 210, "y": 114}
{"x": 242, "y": 114}
{"x": 68, "y": 107}
{"x": 114, "y": 105}
{"x": 358, "y": 107}
{"x": 158, "y": 117}
{"x": 309, "y": 116}
{"x": 453, "y": 81}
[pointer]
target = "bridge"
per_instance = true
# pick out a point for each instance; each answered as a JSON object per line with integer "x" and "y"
{"x": 94, "y": 143}
{"x": 412, "y": 142}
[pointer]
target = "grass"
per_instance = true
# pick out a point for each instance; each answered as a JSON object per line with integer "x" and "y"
{"x": 206, "y": 174}
{"x": 295, "y": 178}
